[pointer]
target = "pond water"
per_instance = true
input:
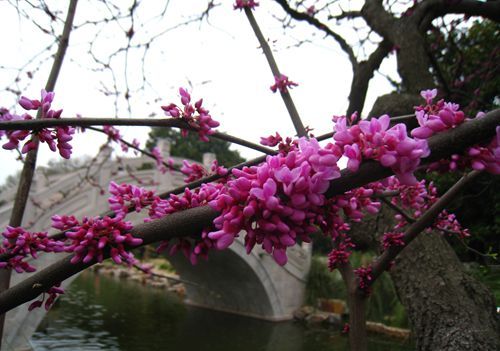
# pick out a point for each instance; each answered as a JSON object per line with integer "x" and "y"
{"x": 103, "y": 313}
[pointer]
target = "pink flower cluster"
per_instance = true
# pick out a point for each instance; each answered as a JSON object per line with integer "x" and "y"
{"x": 277, "y": 202}
{"x": 374, "y": 139}
{"x": 202, "y": 121}
{"x": 282, "y": 83}
{"x": 125, "y": 196}
{"x": 392, "y": 239}
{"x": 437, "y": 117}
{"x": 364, "y": 275}
{"x": 57, "y": 138}
{"x": 195, "y": 171}
{"x": 241, "y": 4}
{"x": 113, "y": 134}
{"x": 284, "y": 146}
{"x": 91, "y": 237}
{"x": 417, "y": 199}
{"x": 352, "y": 205}
{"x": 434, "y": 118}
{"x": 19, "y": 244}
{"x": 340, "y": 255}
{"x": 53, "y": 293}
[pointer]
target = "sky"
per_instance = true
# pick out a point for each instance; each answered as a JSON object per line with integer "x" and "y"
{"x": 219, "y": 61}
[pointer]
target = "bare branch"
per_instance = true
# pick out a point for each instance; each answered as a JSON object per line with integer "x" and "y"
{"x": 285, "y": 95}
{"x": 303, "y": 16}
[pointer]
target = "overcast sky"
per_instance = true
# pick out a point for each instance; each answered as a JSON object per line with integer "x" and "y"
{"x": 219, "y": 61}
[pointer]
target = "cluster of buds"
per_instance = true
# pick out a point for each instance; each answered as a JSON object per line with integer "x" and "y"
{"x": 284, "y": 145}
{"x": 373, "y": 139}
{"x": 282, "y": 83}
{"x": 440, "y": 116}
{"x": 57, "y": 138}
{"x": 19, "y": 244}
{"x": 242, "y": 4}
{"x": 277, "y": 202}
{"x": 195, "y": 171}
{"x": 195, "y": 115}
{"x": 364, "y": 275}
{"x": 91, "y": 237}
{"x": 127, "y": 196}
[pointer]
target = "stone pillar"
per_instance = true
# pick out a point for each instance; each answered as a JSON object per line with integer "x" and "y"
{"x": 208, "y": 159}
{"x": 164, "y": 180}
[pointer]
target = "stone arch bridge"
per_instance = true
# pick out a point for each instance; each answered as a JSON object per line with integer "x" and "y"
{"x": 231, "y": 281}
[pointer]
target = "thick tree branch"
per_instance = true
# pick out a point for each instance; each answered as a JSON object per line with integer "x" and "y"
{"x": 302, "y": 16}
{"x": 442, "y": 145}
{"x": 185, "y": 223}
{"x": 362, "y": 74}
{"x": 427, "y": 11}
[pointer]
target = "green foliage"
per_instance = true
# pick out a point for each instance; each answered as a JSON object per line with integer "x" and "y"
{"x": 322, "y": 283}
{"x": 467, "y": 61}
{"x": 191, "y": 147}
{"x": 384, "y": 305}
{"x": 470, "y": 57}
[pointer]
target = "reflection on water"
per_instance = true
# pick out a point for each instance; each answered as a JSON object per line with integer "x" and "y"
{"x": 101, "y": 313}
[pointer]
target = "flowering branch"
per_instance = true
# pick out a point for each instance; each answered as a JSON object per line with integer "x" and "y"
{"x": 145, "y": 122}
{"x": 190, "y": 222}
{"x": 287, "y": 99}
{"x": 426, "y": 220}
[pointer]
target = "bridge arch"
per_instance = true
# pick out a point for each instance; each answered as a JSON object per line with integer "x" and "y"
{"x": 231, "y": 280}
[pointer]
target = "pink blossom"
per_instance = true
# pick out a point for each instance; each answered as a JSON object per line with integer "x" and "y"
{"x": 282, "y": 83}
{"x": 278, "y": 202}
{"x": 92, "y": 237}
{"x": 391, "y": 239}
{"x": 195, "y": 115}
{"x": 242, "y": 4}
{"x": 53, "y": 293}
{"x": 364, "y": 278}
{"x": 56, "y": 138}
{"x": 19, "y": 244}
{"x": 374, "y": 139}
{"x": 127, "y": 196}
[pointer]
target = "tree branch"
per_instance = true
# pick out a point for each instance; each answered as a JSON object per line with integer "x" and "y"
{"x": 285, "y": 95}
{"x": 190, "y": 222}
{"x": 144, "y": 122}
{"x": 302, "y": 16}
{"x": 28, "y": 171}
{"x": 427, "y": 11}
{"x": 425, "y": 221}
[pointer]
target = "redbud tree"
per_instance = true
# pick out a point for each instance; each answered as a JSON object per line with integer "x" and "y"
{"x": 280, "y": 199}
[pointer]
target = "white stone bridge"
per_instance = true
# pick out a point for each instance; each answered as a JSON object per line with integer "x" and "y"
{"x": 231, "y": 281}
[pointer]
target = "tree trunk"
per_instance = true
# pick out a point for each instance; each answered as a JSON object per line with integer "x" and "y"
{"x": 447, "y": 308}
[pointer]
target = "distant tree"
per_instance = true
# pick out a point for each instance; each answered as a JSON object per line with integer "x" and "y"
{"x": 465, "y": 61}
{"x": 466, "y": 64}
{"x": 190, "y": 146}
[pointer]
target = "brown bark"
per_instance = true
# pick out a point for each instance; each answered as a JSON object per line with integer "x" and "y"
{"x": 448, "y": 309}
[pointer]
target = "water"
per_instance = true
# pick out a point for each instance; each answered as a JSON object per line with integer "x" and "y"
{"x": 103, "y": 313}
